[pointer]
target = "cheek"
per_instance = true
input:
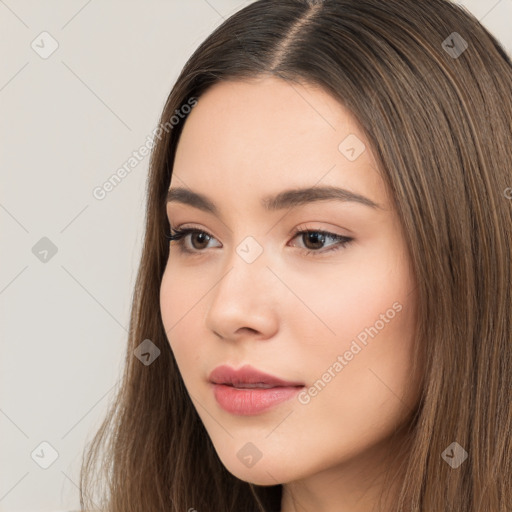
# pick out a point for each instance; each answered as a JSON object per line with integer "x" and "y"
{"x": 181, "y": 294}
{"x": 340, "y": 300}
{"x": 179, "y": 302}
{"x": 360, "y": 345}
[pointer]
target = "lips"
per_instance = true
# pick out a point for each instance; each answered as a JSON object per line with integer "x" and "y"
{"x": 248, "y": 391}
{"x": 248, "y": 377}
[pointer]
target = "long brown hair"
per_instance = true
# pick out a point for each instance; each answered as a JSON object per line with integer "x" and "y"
{"x": 432, "y": 91}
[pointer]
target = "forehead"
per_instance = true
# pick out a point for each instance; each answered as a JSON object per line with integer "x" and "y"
{"x": 262, "y": 135}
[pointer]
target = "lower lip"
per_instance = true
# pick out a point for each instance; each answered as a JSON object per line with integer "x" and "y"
{"x": 247, "y": 402}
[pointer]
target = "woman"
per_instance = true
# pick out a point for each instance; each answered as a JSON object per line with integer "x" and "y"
{"x": 327, "y": 222}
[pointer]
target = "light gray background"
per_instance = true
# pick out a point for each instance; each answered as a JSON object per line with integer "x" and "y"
{"x": 68, "y": 122}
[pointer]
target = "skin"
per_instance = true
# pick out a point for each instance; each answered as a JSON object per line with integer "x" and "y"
{"x": 289, "y": 313}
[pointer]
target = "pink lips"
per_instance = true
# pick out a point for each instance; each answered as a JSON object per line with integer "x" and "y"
{"x": 246, "y": 375}
{"x": 265, "y": 391}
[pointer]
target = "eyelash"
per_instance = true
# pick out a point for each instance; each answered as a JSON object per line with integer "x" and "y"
{"x": 180, "y": 234}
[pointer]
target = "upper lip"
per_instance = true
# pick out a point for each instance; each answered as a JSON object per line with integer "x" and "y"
{"x": 247, "y": 375}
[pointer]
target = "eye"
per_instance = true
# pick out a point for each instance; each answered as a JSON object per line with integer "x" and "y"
{"x": 180, "y": 236}
{"x": 314, "y": 240}
{"x": 315, "y": 237}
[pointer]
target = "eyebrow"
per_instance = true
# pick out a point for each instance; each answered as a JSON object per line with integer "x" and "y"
{"x": 286, "y": 199}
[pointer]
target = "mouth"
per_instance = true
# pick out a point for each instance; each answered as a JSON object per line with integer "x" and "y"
{"x": 248, "y": 377}
{"x": 248, "y": 385}
{"x": 251, "y": 399}
{"x": 249, "y": 391}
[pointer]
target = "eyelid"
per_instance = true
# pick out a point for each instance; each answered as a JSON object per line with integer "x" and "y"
{"x": 186, "y": 226}
{"x": 304, "y": 227}
{"x": 293, "y": 232}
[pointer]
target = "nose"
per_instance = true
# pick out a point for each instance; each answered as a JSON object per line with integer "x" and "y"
{"x": 245, "y": 300}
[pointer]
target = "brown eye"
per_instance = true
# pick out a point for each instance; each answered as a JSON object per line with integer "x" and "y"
{"x": 315, "y": 239}
{"x": 181, "y": 235}
{"x": 201, "y": 237}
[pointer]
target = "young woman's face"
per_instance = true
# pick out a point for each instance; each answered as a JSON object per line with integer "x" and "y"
{"x": 244, "y": 290}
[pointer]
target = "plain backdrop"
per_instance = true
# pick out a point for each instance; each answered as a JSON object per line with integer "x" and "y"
{"x": 68, "y": 121}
